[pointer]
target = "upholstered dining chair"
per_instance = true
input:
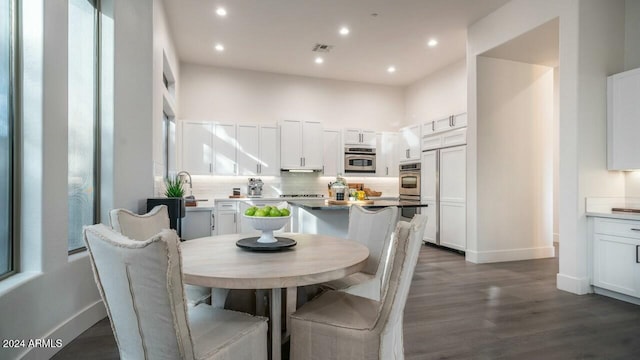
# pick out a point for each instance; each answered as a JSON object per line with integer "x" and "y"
{"x": 140, "y": 283}
{"x": 338, "y": 325}
{"x": 373, "y": 229}
{"x": 142, "y": 227}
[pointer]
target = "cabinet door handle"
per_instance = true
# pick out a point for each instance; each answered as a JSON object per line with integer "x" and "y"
{"x": 387, "y": 171}
{"x": 433, "y": 125}
{"x": 210, "y": 167}
{"x": 322, "y": 169}
{"x": 634, "y": 229}
{"x": 453, "y": 120}
{"x": 213, "y": 221}
{"x": 234, "y": 218}
{"x": 637, "y": 260}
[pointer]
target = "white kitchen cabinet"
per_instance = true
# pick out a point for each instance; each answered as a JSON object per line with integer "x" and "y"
{"x": 623, "y": 121}
{"x": 387, "y": 154}
{"x": 451, "y": 122}
{"x": 197, "y": 223}
{"x": 409, "y": 148}
{"x": 443, "y": 188}
{"x": 446, "y": 139}
{"x": 208, "y": 148}
{"x": 301, "y": 145}
{"x": 197, "y": 147}
{"x": 616, "y": 266}
{"x": 333, "y": 154}
{"x": 359, "y": 137}
{"x": 269, "y": 150}
{"x": 224, "y": 145}
{"x": 257, "y": 150}
{"x": 226, "y": 217}
{"x": 428, "y": 194}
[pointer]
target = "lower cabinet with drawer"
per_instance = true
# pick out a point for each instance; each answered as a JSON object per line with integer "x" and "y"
{"x": 226, "y": 217}
{"x": 616, "y": 257}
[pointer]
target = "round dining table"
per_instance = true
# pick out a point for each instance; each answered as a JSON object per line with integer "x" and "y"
{"x": 217, "y": 262}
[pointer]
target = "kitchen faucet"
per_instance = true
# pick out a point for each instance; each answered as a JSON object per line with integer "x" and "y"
{"x": 189, "y": 176}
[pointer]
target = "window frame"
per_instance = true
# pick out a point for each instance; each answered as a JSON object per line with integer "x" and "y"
{"x": 97, "y": 124}
{"x": 14, "y": 138}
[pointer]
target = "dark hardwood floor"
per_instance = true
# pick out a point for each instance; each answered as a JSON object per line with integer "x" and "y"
{"x": 459, "y": 310}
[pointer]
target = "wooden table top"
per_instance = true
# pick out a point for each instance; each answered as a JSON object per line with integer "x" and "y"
{"x": 216, "y": 261}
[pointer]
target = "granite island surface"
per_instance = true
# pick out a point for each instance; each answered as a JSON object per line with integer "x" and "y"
{"x": 321, "y": 204}
{"x": 316, "y": 216}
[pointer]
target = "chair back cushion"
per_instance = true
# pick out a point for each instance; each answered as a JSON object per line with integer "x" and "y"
{"x": 140, "y": 227}
{"x": 140, "y": 283}
{"x": 403, "y": 263}
{"x": 373, "y": 229}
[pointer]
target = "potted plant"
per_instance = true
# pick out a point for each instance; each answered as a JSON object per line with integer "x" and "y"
{"x": 173, "y": 187}
{"x": 174, "y": 201}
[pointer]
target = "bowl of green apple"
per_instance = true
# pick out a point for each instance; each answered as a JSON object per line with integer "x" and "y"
{"x": 268, "y": 219}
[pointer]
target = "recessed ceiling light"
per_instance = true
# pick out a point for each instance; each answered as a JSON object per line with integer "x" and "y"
{"x": 219, "y": 47}
{"x": 391, "y": 69}
{"x": 432, "y": 42}
{"x": 344, "y": 31}
{"x": 221, "y": 12}
{"x": 319, "y": 60}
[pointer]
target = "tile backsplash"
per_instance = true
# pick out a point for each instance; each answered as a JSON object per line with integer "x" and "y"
{"x": 213, "y": 187}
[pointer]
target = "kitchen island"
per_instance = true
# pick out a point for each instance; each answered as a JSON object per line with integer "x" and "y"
{"x": 319, "y": 217}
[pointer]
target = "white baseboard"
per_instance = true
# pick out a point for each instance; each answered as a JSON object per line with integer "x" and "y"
{"x": 482, "y": 257}
{"x": 68, "y": 330}
{"x": 573, "y": 284}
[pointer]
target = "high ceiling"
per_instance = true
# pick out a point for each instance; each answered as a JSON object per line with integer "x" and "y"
{"x": 278, "y": 35}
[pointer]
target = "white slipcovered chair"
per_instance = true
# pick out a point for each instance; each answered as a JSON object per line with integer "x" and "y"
{"x": 142, "y": 227}
{"x": 140, "y": 283}
{"x": 373, "y": 229}
{"x": 338, "y": 325}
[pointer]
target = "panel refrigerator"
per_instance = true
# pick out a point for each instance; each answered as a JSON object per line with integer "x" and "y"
{"x": 443, "y": 188}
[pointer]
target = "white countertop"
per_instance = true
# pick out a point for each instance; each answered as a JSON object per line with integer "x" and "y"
{"x": 614, "y": 215}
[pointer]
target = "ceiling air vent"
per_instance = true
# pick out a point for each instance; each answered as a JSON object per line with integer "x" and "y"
{"x": 322, "y": 48}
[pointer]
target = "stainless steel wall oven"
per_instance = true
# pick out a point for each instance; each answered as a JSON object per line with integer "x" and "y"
{"x": 409, "y": 183}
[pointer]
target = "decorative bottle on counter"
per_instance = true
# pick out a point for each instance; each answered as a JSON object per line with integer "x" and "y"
{"x": 339, "y": 187}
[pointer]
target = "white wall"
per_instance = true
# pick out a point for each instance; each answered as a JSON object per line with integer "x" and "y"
{"x": 438, "y": 95}
{"x": 591, "y": 38}
{"x": 515, "y": 160}
{"x": 632, "y": 61}
{"x": 55, "y": 296}
{"x": 162, "y": 44}
{"x": 224, "y": 94}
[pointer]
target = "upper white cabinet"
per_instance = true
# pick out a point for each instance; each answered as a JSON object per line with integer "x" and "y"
{"x": 224, "y": 147}
{"x": 387, "y": 154}
{"x": 197, "y": 147}
{"x": 301, "y": 145}
{"x": 359, "y": 137}
{"x": 623, "y": 121}
{"x": 409, "y": 148}
{"x": 333, "y": 154}
{"x": 208, "y": 148}
{"x": 444, "y": 124}
{"x": 258, "y": 150}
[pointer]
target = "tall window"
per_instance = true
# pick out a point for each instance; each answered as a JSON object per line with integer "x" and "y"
{"x": 6, "y": 137}
{"x": 169, "y": 144}
{"x": 83, "y": 123}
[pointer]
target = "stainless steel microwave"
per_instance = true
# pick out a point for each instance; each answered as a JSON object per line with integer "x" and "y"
{"x": 359, "y": 160}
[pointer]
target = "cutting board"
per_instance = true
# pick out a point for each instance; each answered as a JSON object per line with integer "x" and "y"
{"x": 347, "y": 202}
